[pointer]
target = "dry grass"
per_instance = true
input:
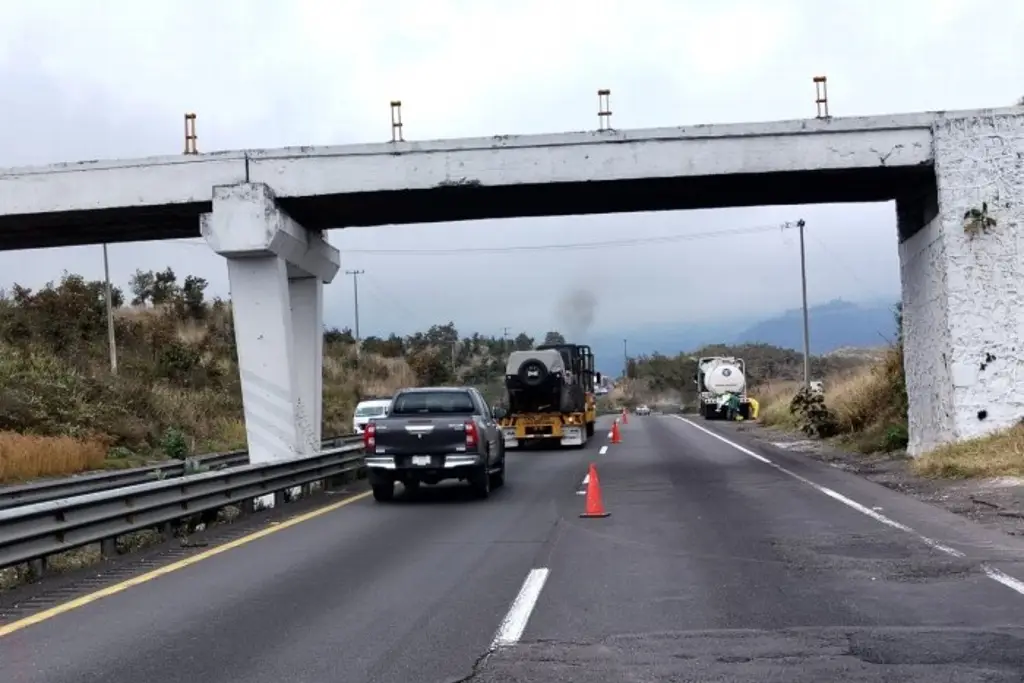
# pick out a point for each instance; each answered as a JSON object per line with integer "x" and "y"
{"x": 177, "y": 390}
{"x": 25, "y": 456}
{"x": 997, "y": 455}
{"x": 63, "y": 418}
{"x": 869, "y": 404}
{"x": 773, "y": 400}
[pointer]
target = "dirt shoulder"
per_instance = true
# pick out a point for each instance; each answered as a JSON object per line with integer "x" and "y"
{"x": 996, "y": 503}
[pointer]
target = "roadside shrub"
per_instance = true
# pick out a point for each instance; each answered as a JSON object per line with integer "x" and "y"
{"x": 814, "y": 418}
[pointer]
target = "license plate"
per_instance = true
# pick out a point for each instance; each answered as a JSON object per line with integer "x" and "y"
{"x": 421, "y": 460}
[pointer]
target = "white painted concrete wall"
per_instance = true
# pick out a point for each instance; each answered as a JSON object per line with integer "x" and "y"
{"x": 964, "y": 296}
{"x": 926, "y": 344}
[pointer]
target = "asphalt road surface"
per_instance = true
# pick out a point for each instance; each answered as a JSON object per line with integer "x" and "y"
{"x": 720, "y": 562}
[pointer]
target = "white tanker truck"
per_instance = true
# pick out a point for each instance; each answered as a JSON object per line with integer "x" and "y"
{"x": 722, "y": 388}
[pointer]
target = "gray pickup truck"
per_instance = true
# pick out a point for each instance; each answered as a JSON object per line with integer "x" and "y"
{"x": 433, "y": 434}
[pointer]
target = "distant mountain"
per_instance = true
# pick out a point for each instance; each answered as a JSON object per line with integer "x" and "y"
{"x": 668, "y": 339}
{"x": 834, "y": 325}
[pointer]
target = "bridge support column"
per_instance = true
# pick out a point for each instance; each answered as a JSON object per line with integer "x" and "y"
{"x": 963, "y": 284}
{"x": 276, "y": 269}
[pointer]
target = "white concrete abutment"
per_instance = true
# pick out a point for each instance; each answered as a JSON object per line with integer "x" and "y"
{"x": 277, "y": 270}
{"x": 963, "y": 287}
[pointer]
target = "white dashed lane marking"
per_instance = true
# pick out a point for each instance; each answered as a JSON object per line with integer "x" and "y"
{"x": 991, "y": 572}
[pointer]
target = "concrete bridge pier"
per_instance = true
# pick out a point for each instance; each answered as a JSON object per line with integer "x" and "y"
{"x": 277, "y": 269}
{"x": 962, "y": 266}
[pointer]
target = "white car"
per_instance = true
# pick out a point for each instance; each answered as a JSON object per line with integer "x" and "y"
{"x": 643, "y": 409}
{"x": 368, "y": 410}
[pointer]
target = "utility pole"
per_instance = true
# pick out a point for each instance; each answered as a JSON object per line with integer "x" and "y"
{"x": 625, "y": 361}
{"x": 355, "y": 292}
{"x": 803, "y": 285}
{"x": 111, "y": 342}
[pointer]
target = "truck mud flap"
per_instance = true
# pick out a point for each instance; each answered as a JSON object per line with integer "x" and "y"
{"x": 573, "y": 435}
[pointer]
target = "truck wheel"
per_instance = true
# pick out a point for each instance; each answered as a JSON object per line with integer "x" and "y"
{"x": 481, "y": 483}
{"x": 498, "y": 478}
{"x": 591, "y": 428}
{"x": 382, "y": 493}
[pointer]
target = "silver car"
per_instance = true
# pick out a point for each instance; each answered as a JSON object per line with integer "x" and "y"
{"x": 643, "y": 409}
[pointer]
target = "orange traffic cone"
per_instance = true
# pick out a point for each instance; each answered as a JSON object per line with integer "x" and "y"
{"x": 625, "y": 417}
{"x": 616, "y": 437}
{"x": 595, "y": 507}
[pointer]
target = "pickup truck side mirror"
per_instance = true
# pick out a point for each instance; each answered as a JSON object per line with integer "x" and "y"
{"x": 498, "y": 413}
{"x": 597, "y": 378}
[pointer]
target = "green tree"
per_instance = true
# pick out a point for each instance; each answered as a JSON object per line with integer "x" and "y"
{"x": 165, "y": 287}
{"x": 554, "y": 338}
{"x": 141, "y": 286}
{"x": 522, "y": 342}
{"x": 193, "y": 295}
{"x": 432, "y": 367}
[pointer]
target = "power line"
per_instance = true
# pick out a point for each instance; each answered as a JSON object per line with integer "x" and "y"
{"x": 638, "y": 241}
{"x": 629, "y": 242}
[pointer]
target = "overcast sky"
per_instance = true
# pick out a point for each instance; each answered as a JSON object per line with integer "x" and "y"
{"x": 82, "y": 80}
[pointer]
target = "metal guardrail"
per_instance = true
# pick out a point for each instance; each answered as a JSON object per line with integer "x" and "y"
{"x": 30, "y": 532}
{"x": 53, "y": 489}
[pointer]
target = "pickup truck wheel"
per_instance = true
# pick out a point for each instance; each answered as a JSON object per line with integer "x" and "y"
{"x": 382, "y": 493}
{"x": 481, "y": 483}
{"x": 498, "y": 478}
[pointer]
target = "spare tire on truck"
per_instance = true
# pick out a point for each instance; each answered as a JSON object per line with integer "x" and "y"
{"x": 533, "y": 380}
{"x": 532, "y": 372}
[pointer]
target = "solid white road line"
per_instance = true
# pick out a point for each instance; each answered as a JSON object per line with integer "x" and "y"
{"x": 991, "y": 572}
{"x": 512, "y": 627}
{"x": 604, "y": 449}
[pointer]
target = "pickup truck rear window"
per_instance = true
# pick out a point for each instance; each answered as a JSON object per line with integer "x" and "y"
{"x": 433, "y": 403}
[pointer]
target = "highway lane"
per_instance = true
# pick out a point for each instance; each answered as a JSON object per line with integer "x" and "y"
{"x": 713, "y": 565}
{"x": 410, "y": 591}
{"x": 716, "y": 566}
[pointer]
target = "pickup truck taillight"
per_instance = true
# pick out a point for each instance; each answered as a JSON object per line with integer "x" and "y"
{"x": 370, "y": 437}
{"x": 471, "y": 435}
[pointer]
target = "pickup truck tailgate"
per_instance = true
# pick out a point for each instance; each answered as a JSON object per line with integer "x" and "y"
{"x": 421, "y": 436}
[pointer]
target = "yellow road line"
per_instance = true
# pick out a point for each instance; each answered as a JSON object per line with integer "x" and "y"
{"x": 8, "y": 629}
